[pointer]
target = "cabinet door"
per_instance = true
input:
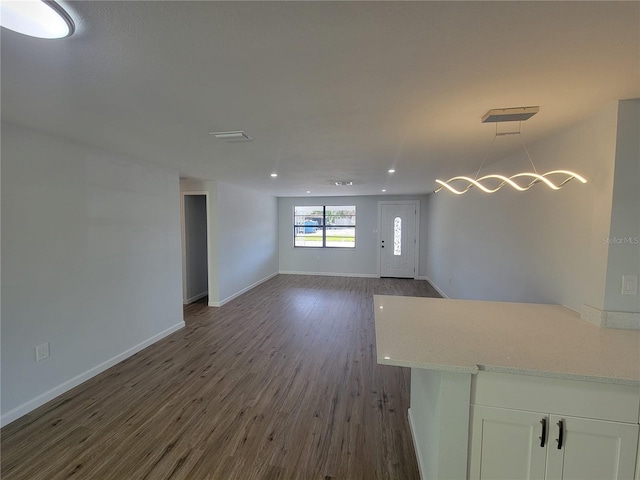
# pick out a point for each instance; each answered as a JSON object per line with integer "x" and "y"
{"x": 638, "y": 459}
{"x": 591, "y": 449}
{"x": 505, "y": 444}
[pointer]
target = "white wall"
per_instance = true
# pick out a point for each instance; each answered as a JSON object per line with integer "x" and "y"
{"x": 538, "y": 246}
{"x": 242, "y": 238}
{"x": 624, "y": 235}
{"x": 361, "y": 261}
{"x": 247, "y": 239}
{"x": 90, "y": 263}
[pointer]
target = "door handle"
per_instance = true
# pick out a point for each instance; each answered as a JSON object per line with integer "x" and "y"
{"x": 560, "y": 434}
{"x": 543, "y": 437}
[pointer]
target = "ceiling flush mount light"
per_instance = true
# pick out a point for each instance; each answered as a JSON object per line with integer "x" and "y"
{"x": 520, "y": 181}
{"x": 40, "y": 19}
{"x": 274, "y": 175}
{"x": 234, "y": 136}
{"x": 392, "y": 170}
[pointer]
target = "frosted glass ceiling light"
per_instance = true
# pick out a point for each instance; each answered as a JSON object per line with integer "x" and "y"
{"x": 41, "y": 19}
{"x": 496, "y": 116}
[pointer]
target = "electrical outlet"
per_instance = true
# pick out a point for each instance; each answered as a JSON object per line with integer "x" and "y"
{"x": 42, "y": 351}
{"x": 629, "y": 284}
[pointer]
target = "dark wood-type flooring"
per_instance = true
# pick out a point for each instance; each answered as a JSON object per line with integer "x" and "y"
{"x": 281, "y": 382}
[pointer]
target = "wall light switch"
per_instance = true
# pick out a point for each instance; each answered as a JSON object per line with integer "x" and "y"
{"x": 42, "y": 351}
{"x": 629, "y": 284}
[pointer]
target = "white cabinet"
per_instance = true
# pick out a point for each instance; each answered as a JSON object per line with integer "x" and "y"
{"x": 534, "y": 428}
{"x": 505, "y": 444}
{"x": 514, "y": 444}
{"x": 591, "y": 449}
{"x": 638, "y": 460}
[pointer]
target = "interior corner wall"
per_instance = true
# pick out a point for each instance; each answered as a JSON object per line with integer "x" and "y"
{"x": 537, "y": 246}
{"x": 624, "y": 235}
{"x": 90, "y": 263}
{"x": 243, "y": 240}
{"x": 213, "y": 232}
{"x": 361, "y": 261}
{"x": 247, "y": 238}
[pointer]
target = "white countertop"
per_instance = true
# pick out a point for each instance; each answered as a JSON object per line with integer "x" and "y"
{"x": 528, "y": 339}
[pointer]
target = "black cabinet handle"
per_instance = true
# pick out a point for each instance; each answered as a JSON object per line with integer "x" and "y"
{"x": 560, "y": 433}
{"x": 543, "y": 437}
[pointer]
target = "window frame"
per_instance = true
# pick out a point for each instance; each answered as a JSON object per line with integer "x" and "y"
{"x": 324, "y": 227}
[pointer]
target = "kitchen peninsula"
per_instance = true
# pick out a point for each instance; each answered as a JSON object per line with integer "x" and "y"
{"x": 500, "y": 389}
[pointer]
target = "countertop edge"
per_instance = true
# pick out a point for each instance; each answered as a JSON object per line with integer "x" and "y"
{"x": 428, "y": 366}
{"x": 510, "y": 370}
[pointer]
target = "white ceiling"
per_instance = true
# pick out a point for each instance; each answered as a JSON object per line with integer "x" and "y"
{"x": 328, "y": 90}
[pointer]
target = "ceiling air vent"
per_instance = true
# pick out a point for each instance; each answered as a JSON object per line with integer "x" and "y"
{"x": 518, "y": 114}
{"x": 235, "y": 136}
{"x": 343, "y": 183}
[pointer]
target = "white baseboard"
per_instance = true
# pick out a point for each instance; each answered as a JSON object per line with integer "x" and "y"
{"x": 442, "y": 294}
{"x": 244, "y": 290}
{"x": 331, "y": 274}
{"x": 421, "y": 467}
{"x": 43, "y": 398}
{"x": 196, "y": 297}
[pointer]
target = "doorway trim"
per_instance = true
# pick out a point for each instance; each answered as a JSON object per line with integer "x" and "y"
{"x": 183, "y": 240}
{"x": 416, "y": 253}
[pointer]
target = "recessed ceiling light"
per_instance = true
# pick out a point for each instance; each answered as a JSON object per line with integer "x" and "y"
{"x": 41, "y": 19}
{"x": 234, "y": 136}
{"x": 274, "y": 175}
{"x": 384, "y": 189}
{"x": 308, "y": 191}
{"x": 392, "y": 170}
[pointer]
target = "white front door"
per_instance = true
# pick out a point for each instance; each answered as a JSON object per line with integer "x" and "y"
{"x": 397, "y": 240}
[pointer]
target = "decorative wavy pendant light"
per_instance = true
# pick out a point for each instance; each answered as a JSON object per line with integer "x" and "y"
{"x": 520, "y": 114}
